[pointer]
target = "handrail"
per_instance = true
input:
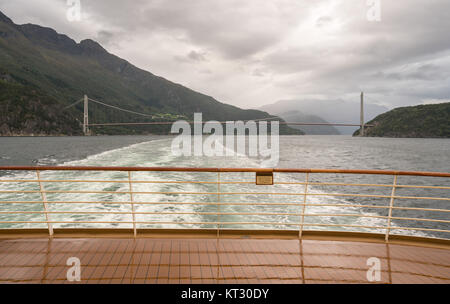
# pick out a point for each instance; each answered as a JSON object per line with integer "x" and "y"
{"x": 189, "y": 169}
{"x": 289, "y": 207}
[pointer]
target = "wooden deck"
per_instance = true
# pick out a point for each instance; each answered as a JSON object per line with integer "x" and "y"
{"x": 180, "y": 260}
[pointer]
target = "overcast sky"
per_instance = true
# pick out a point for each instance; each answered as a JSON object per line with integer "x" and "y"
{"x": 253, "y": 52}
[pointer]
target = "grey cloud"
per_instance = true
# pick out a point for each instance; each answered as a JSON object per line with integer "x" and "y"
{"x": 371, "y": 54}
{"x": 294, "y": 47}
{"x": 258, "y": 73}
{"x": 197, "y": 56}
{"x": 105, "y": 37}
{"x": 322, "y": 21}
{"x": 205, "y": 71}
{"x": 192, "y": 56}
{"x": 236, "y": 29}
{"x": 428, "y": 72}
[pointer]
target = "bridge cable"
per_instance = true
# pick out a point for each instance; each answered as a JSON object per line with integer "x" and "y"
{"x": 71, "y": 105}
{"x": 117, "y": 108}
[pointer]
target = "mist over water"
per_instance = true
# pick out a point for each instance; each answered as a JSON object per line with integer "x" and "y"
{"x": 332, "y": 152}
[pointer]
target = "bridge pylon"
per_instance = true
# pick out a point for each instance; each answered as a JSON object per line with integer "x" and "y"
{"x": 86, "y": 130}
{"x": 361, "y": 133}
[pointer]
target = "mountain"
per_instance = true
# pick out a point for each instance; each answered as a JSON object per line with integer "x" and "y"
{"x": 26, "y": 111}
{"x": 431, "y": 120}
{"x": 332, "y": 111}
{"x": 40, "y": 67}
{"x": 297, "y": 116}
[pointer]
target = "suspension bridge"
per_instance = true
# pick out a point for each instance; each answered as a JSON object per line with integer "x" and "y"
{"x": 87, "y": 126}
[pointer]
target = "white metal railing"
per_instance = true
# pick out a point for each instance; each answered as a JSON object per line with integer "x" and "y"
{"x": 292, "y": 200}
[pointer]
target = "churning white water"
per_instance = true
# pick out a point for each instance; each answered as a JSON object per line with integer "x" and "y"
{"x": 296, "y": 152}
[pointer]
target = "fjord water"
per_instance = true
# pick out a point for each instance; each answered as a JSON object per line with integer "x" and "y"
{"x": 332, "y": 152}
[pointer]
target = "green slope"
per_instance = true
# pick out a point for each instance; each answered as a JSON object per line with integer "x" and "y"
{"x": 38, "y": 59}
{"x": 27, "y": 111}
{"x": 418, "y": 121}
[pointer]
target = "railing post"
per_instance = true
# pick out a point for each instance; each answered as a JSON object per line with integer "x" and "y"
{"x": 133, "y": 215}
{"x": 44, "y": 201}
{"x": 391, "y": 204}
{"x": 304, "y": 206}
{"x": 218, "y": 204}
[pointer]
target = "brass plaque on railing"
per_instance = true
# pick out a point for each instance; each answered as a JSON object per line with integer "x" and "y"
{"x": 264, "y": 178}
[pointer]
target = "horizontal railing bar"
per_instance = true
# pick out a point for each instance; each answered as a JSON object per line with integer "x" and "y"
{"x": 329, "y": 184}
{"x": 187, "y": 169}
{"x": 374, "y": 207}
{"x": 170, "y": 192}
{"x": 151, "y": 203}
{"x": 216, "y": 182}
{"x": 420, "y": 229}
{"x": 377, "y": 227}
{"x": 191, "y": 213}
{"x": 117, "y": 181}
{"x": 223, "y": 213}
{"x": 423, "y": 198}
{"x": 344, "y": 215}
{"x": 378, "y": 196}
{"x": 227, "y": 193}
{"x": 419, "y": 219}
{"x": 228, "y": 203}
{"x": 145, "y": 222}
{"x": 145, "y": 212}
{"x": 366, "y": 185}
{"x": 421, "y": 209}
{"x": 220, "y": 223}
{"x": 420, "y": 187}
{"x": 184, "y": 223}
{"x": 158, "y": 203}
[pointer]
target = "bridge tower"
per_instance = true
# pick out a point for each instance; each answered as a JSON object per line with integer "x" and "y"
{"x": 86, "y": 116}
{"x": 362, "y": 115}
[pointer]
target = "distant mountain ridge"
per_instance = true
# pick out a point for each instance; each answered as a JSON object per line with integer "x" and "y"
{"x": 332, "y": 111}
{"x": 39, "y": 66}
{"x": 297, "y": 116}
{"x": 430, "y": 121}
